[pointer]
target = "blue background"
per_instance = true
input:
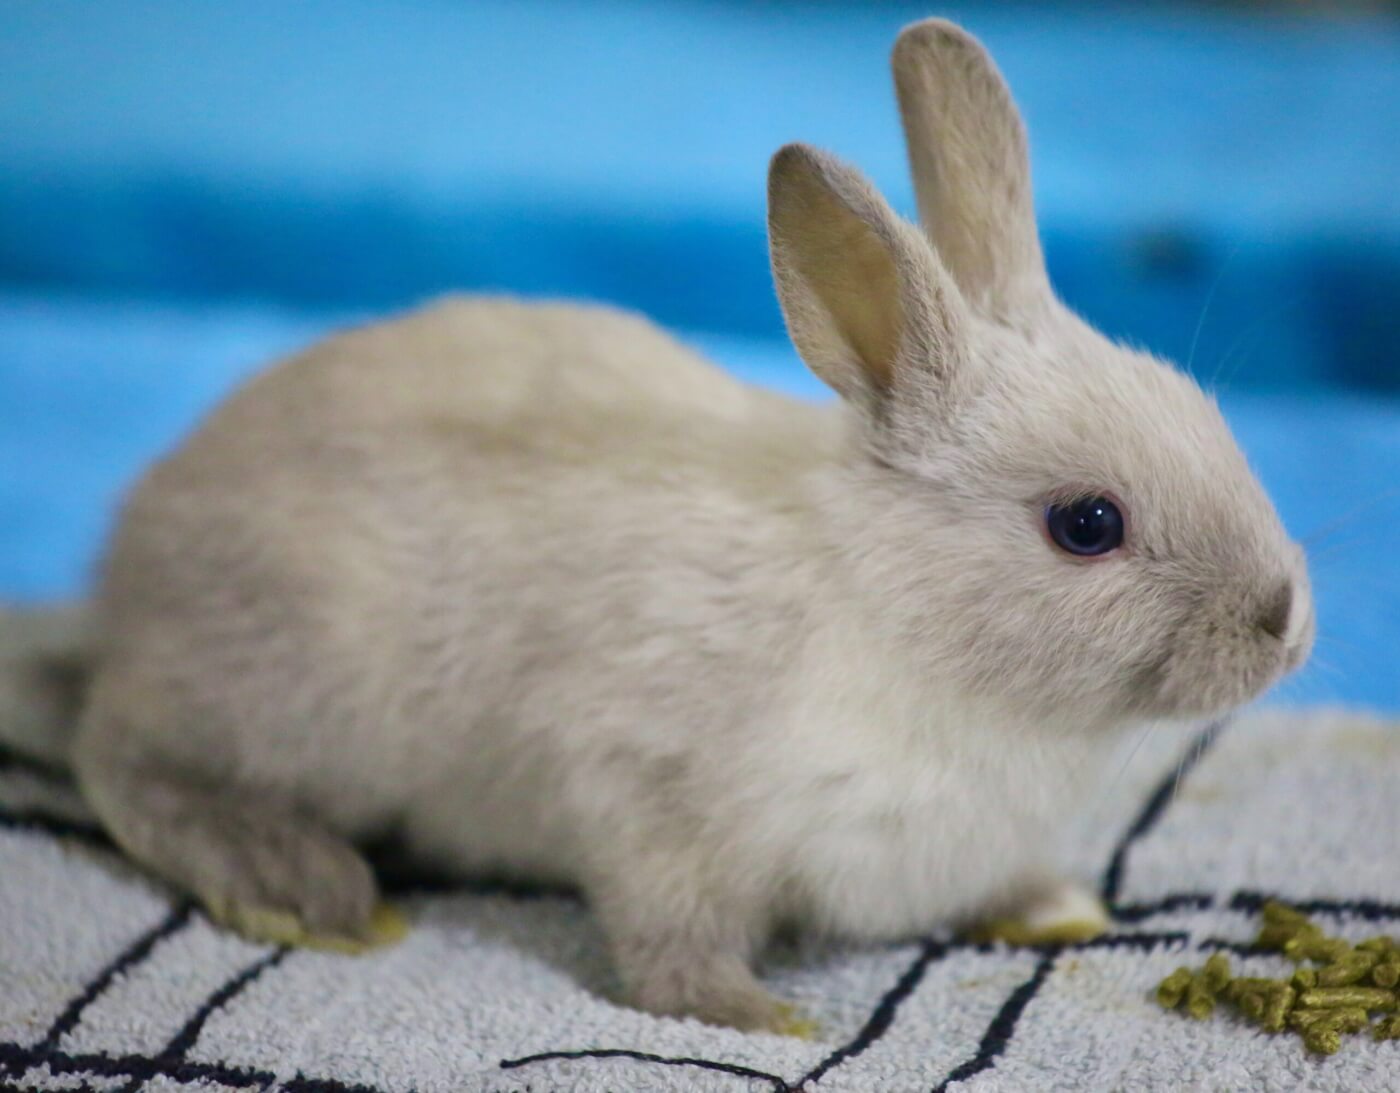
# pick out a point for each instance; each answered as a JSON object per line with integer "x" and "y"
{"x": 189, "y": 189}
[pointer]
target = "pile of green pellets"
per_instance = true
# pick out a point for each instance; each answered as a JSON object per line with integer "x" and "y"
{"x": 1336, "y": 989}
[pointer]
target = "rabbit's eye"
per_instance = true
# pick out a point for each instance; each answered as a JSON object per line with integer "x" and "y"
{"x": 1089, "y": 526}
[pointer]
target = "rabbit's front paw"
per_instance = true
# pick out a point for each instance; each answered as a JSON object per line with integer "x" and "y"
{"x": 386, "y": 925}
{"x": 1058, "y": 914}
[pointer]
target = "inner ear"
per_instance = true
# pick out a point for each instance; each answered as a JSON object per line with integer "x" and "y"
{"x": 853, "y": 275}
{"x": 867, "y": 304}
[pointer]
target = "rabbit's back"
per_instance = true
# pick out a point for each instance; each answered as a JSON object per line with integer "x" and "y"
{"x": 412, "y": 525}
{"x": 491, "y": 361}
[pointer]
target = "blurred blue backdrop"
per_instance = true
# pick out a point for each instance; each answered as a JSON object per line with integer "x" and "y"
{"x": 189, "y": 189}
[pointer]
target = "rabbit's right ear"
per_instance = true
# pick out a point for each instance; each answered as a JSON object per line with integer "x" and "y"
{"x": 867, "y": 303}
{"x": 967, "y": 151}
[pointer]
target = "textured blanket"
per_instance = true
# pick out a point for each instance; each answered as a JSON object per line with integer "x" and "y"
{"x": 107, "y": 982}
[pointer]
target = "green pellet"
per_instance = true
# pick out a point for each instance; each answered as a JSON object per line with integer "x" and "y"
{"x": 1312, "y": 945}
{"x": 1367, "y": 998}
{"x": 1249, "y": 984}
{"x": 1277, "y": 1006}
{"x": 1386, "y": 973}
{"x": 1322, "y": 1040}
{"x": 1284, "y": 936}
{"x": 1267, "y": 1002}
{"x": 1284, "y": 928}
{"x": 1320, "y": 1004}
{"x": 1251, "y": 1005}
{"x": 1322, "y": 1030}
{"x": 1201, "y": 992}
{"x": 1352, "y": 968}
{"x": 1345, "y": 1018}
{"x": 1280, "y": 913}
{"x": 1216, "y": 973}
{"x": 1200, "y": 999}
{"x": 1239, "y": 988}
{"x": 1172, "y": 989}
{"x": 1302, "y": 1019}
{"x": 1351, "y": 1019}
{"x": 1275, "y": 937}
{"x": 1387, "y": 1028}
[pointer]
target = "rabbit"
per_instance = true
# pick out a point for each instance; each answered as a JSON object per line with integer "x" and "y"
{"x": 542, "y": 594}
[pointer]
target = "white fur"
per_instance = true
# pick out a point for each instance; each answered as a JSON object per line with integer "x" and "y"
{"x": 544, "y": 593}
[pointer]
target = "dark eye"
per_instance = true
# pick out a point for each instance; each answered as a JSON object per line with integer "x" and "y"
{"x": 1089, "y": 526}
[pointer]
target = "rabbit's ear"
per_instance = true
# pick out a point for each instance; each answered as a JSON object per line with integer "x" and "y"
{"x": 967, "y": 151}
{"x": 867, "y": 303}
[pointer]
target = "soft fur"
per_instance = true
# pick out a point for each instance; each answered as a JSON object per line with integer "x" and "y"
{"x": 539, "y": 592}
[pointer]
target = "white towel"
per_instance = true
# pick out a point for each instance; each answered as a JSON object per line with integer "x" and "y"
{"x": 107, "y": 982}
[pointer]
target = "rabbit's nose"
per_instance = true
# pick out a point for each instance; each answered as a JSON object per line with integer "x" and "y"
{"x": 1274, "y": 619}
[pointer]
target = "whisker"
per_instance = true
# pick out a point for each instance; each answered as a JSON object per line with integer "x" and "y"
{"x": 1335, "y": 525}
{"x": 1190, "y": 759}
{"x": 1332, "y": 639}
{"x": 1094, "y": 808}
{"x": 1176, "y": 780}
{"x": 1142, "y": 738}
{"x": 1311, "y": 672}
{"x": 1255, "y": 328}
{"x": 1330, "y": 552}
{"x": 1205, "y": 308}
{"x": 1246, "y": 350}
{"x": 1326, "y": 666}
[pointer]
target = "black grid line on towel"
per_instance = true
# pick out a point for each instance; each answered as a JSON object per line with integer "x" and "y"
{"x": 999, "y": 1034}
{"x": 301, "y": 1084}
{"x": 178, "y": 1048}
{"x": 138, "y": 1068}
{"x": 135, "y": 1067}
{"x": 131, "y": 956}
{"x": 1369, "y": 909}
{"x": 780, "y": 1085}
{"x": 60, "y": 827}
{"x": 10, "y": 758}
{"x": 1152, "y": 811}
{"x": 875, "y": 1026}
{"x": 996, "y": 1039}
{"x": 170, "y": 1062}
{"x": 125, "y": 961}
{"x": 24, "y": 819}
{"x": 883, "y": 1015}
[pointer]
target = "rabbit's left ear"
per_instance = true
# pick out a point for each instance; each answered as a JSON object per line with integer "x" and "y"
{"x": 967, "y": 151}
{"x": 867, "y": 303}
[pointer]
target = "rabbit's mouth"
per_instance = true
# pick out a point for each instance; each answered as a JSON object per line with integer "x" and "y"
{"x": 1208, "y": 671}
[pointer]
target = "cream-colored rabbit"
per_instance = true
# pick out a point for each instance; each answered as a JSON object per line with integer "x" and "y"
{"x": 541, "y": 593}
